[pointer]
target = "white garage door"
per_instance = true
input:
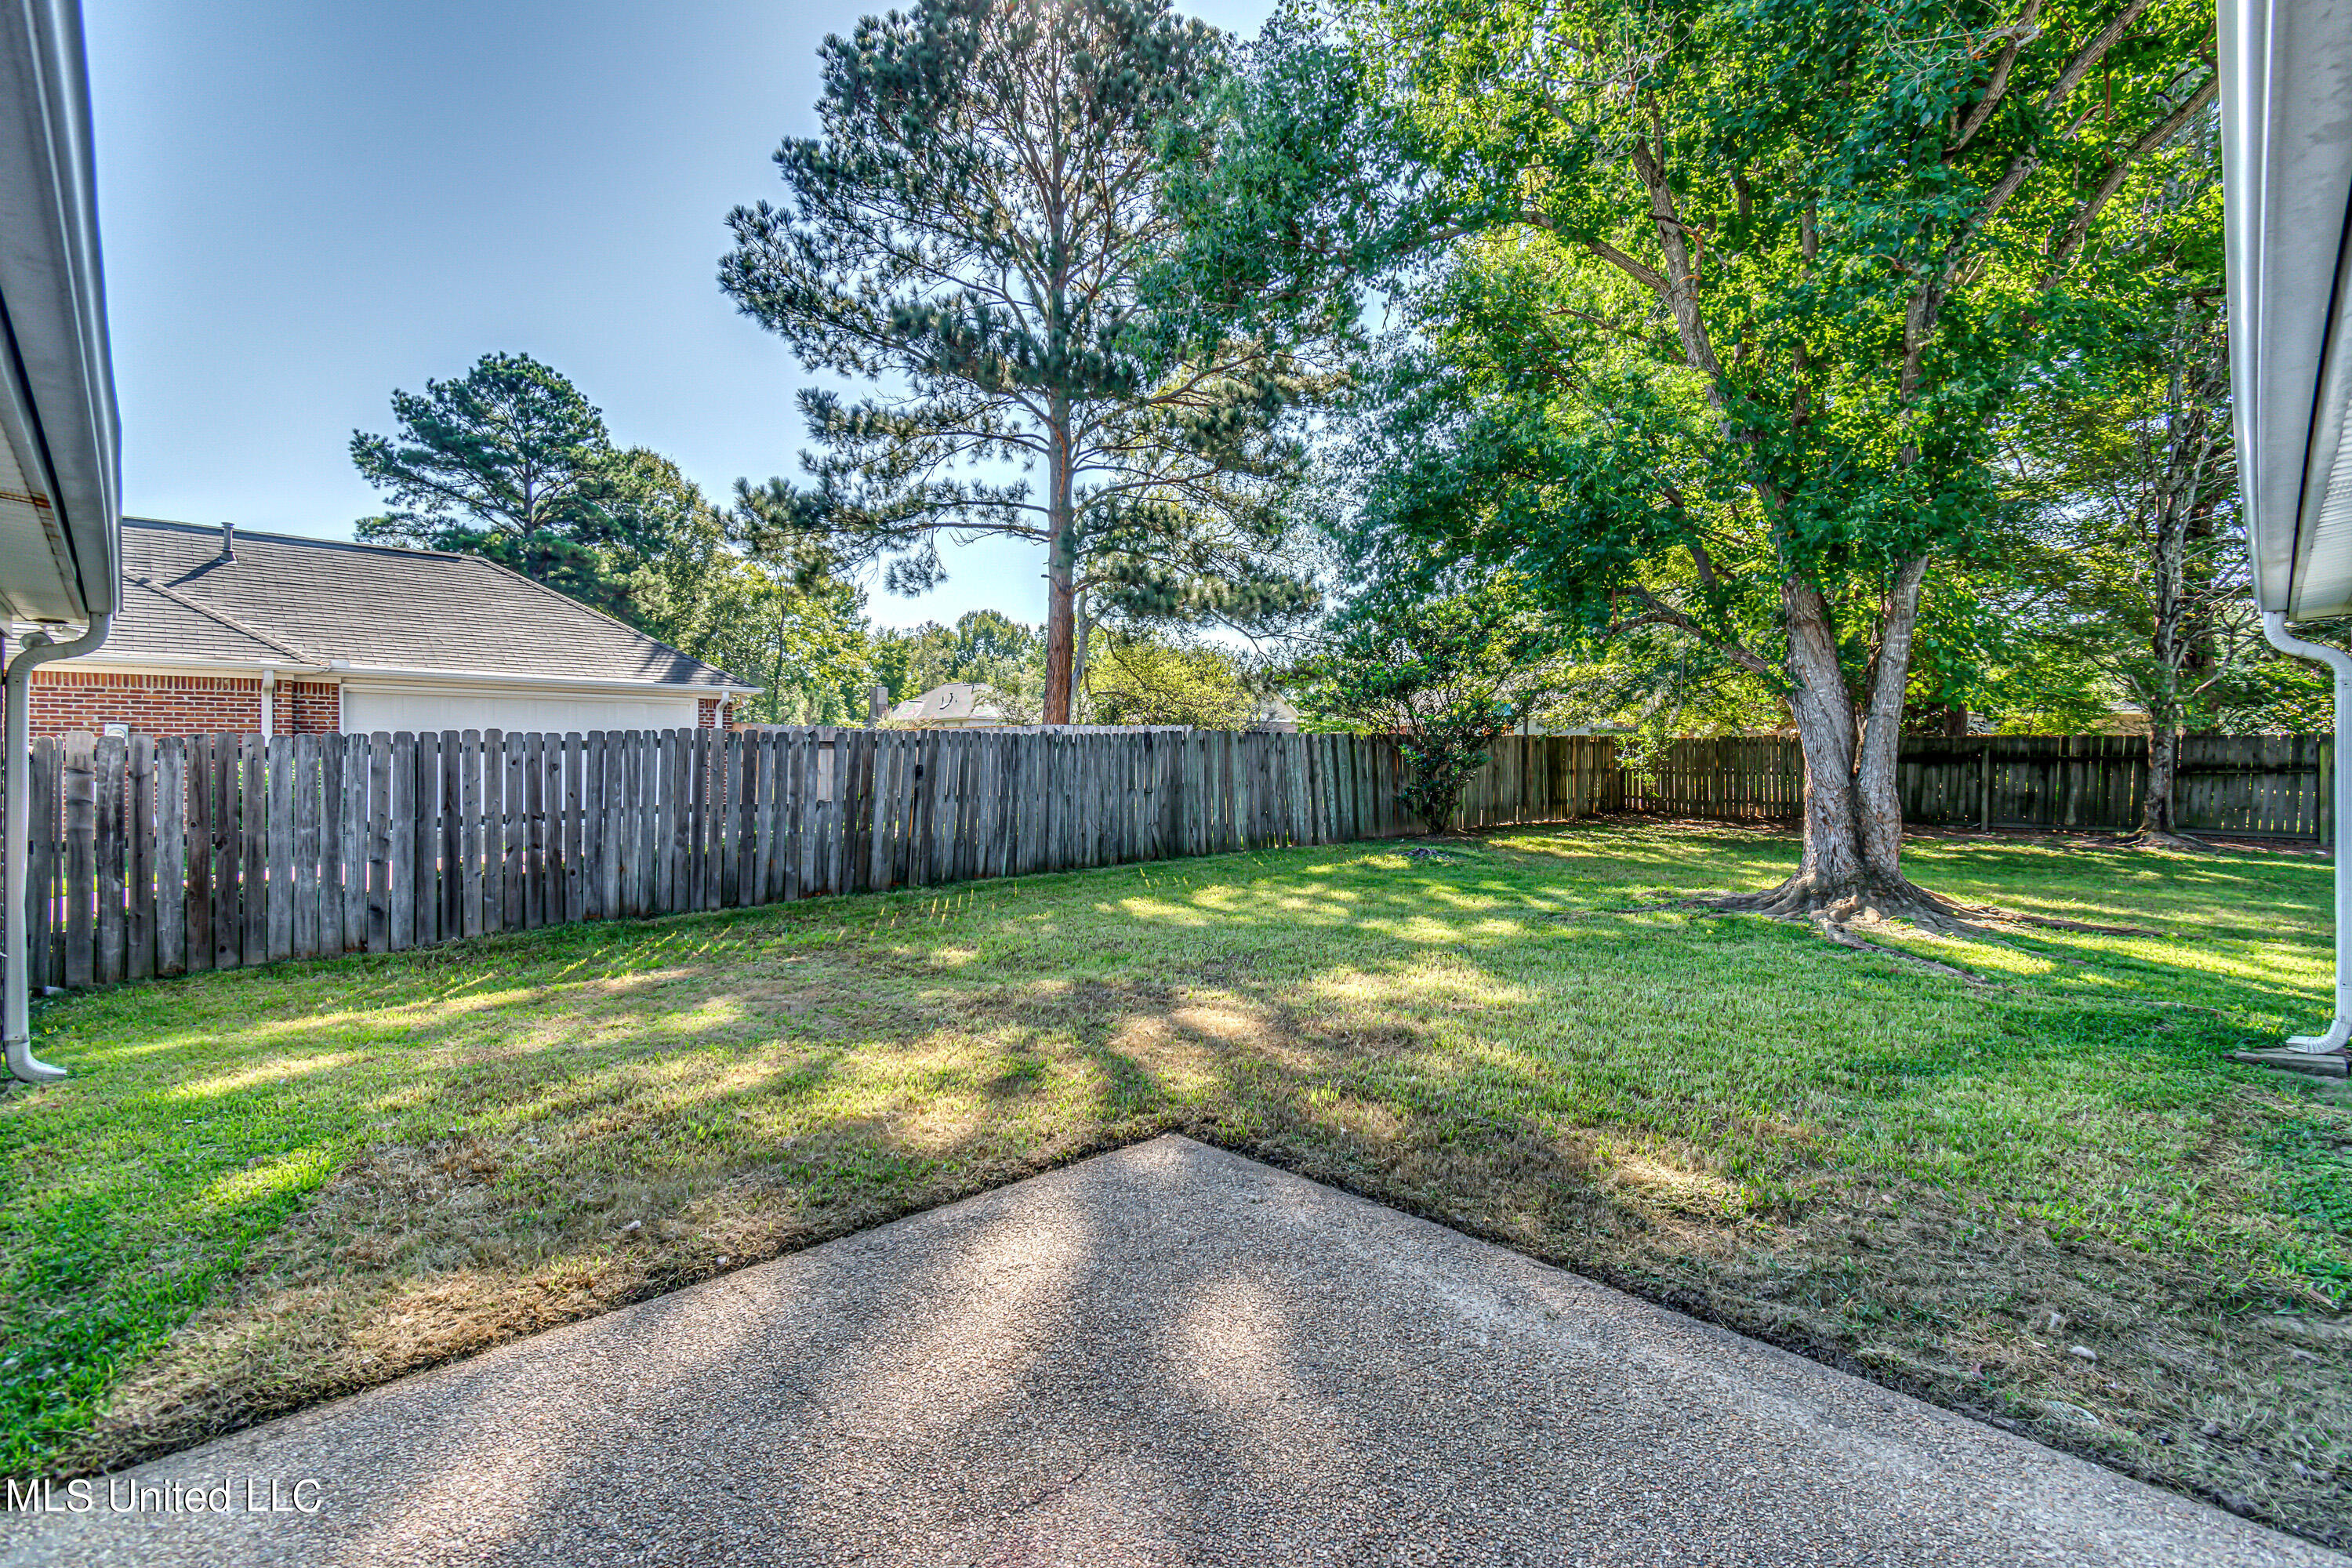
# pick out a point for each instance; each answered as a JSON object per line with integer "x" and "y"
{"x": 365, "y": 712}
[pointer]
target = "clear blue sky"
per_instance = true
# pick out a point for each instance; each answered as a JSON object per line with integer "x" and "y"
{"x": 306, "y": 204}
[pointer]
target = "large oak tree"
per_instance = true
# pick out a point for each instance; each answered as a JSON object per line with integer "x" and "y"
{"x": 1729, "y": 297}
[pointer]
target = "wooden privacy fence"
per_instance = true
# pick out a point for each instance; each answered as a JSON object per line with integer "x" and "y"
{"x": 2255, "y": 786}
{"x": 159, "y": 856}
{"x": 1542, "y": 778}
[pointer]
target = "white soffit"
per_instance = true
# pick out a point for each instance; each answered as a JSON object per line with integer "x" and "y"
{"x": 2286, "y": 100}
{"x": 59, "y": 448}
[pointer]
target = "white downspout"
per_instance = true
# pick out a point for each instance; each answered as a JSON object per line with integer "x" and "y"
{"x": 2337, "y": 659}
{"x": 17, "y": 817}
{"x": 268, "y": 700}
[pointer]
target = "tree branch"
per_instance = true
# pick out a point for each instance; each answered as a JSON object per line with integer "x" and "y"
{"x": 1663, "y": 614}
{"x": 2089, "y": 54}
{"x": 2020, "y": 33}
{"x": 2071, "y": 239}
{"x": 1649, "y": 277}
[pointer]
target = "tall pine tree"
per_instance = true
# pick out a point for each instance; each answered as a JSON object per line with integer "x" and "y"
{"x": 510, "y": 461}
{"x": 970, "y": 227}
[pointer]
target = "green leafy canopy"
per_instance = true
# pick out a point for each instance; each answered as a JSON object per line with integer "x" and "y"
{"x": 510, "y": 462}
{"x": 1713, "y": 308}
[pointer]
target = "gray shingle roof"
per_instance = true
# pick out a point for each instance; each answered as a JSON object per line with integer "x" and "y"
{"x": 158, "y": 624}
{"x": 321, "y": 600}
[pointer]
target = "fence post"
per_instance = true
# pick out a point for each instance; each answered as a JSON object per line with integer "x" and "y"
{"x": 81, "y": 855}
{"x": 254, "y": 824}
{"x": 277, "y": 925}
{"x": 2326, "y": 802}
{"x": 170, "y": 955}
{"x": 334, "y": 809}
{"x": 110, "y": 765}
{"x": 356, "y": 841}
{"x": 196, "y": 912}
{"x": 379, "y": 867}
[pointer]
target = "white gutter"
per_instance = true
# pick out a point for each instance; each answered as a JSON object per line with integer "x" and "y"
{"x": 16, "y": 1017}
{"x": 180, "y": 664}
{"x": 2286, "y": 100}
{"x": 509, "y": 677}
{"x": 2340, "y": 1030}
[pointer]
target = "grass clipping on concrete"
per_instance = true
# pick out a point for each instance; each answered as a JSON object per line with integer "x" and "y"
{"x": 2037, "y": 1191}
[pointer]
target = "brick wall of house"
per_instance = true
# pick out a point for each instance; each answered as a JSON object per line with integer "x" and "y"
{"x": 66, "y": 699}
{"x": 707, "y": 712}
{"x": 309, "y": 708}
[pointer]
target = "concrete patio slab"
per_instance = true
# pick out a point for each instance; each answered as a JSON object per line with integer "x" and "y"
{"x": 1167, "y": 1354}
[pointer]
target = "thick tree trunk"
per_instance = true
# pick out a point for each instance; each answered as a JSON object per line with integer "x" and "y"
{"x": 2170, "y": 648}
{"x": 2163, "y": 767}
{"x": 1853, "y": 866}
{"x": 1061, "y": 570}
{"x": 1061, "y": 619}
{"x": 1081, "y": 627}
{"x": 2158, "y": 829}
{"x": 1878, "y": 804}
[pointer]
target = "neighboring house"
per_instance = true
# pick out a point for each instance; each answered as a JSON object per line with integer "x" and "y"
{"x": 959, "y": 705}
{"x": 1270, "y": 710}
{"x": 278, "y": 635}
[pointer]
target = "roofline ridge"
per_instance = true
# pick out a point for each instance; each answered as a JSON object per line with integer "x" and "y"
{"x": 519, "y": 578}
{"x": 314, "y": 540}
{"x": 224, "y": 618}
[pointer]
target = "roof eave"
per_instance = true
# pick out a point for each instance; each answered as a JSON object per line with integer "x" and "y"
{"x": 395, "y": 674}
{"x": 56, "y": 385}
{"x": 2287, "y": 172}
{"x": 509, "y": 677}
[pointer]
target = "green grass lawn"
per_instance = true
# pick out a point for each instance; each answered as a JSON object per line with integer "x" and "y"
{"x": 260, "y": 1189}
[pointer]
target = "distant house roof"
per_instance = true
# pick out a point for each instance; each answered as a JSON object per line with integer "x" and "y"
{"x": 328, "y": 603}
{"x": 958, "y": 702}
{"x": 1272, "y": 710}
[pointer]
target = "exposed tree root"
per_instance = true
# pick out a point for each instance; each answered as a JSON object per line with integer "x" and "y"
{"x": 1836, "y": 911}
{"x": 1843, "y": 936}
{"x": 1839, "y": 908}
{"x": 1996, "y": 915}
{"x": 2149, "y": 838}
